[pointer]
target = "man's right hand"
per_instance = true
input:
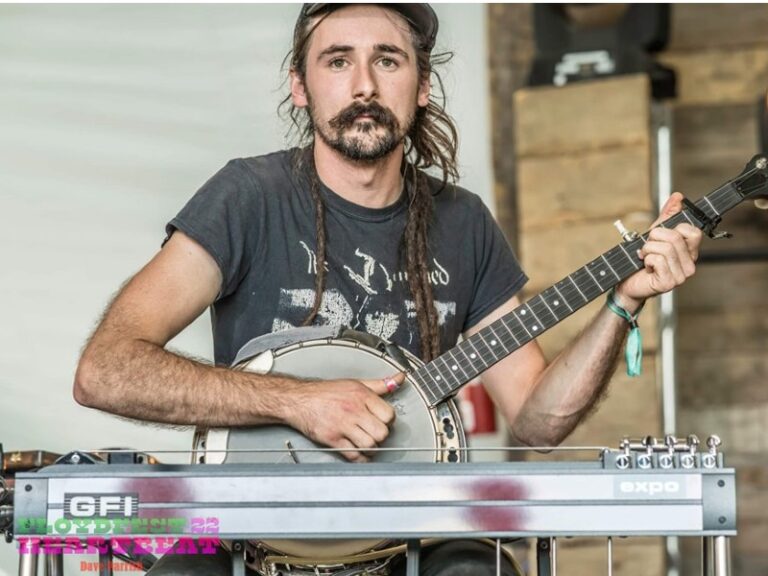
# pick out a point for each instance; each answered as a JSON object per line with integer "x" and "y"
{"x": 350, "y": 415}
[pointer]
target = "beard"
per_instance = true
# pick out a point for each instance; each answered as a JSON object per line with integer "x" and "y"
{"x": 364, "y": 140}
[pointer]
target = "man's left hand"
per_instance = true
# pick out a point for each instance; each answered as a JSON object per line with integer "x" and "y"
{"x": 669, "y": 256}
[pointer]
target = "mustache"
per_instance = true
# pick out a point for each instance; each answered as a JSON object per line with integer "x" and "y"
{"x": 374, "y": 110}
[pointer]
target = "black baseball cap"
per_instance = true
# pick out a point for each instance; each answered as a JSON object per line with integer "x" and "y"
{"x": 421, "y": 16}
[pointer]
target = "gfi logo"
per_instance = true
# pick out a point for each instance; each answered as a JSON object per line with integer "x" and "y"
{"x": 101, "y": 505}
{"x": 650, "y": 487}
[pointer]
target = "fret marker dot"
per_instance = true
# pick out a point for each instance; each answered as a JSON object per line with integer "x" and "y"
{"x": 535, "y": 327}
{"x": 522, "y": 312}
{"x": 438, "y": 378}
{"x": 557, "y": 302}
{"x": 454, "y": 367}
{"x": 473, "y": 356}
{"x": 602, "y": 272}
{"x": 493, "y": 342}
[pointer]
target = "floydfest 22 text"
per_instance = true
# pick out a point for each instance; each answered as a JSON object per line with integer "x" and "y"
{"x": 111, "y": 526}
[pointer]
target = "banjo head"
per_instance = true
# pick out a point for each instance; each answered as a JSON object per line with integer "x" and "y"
{"x": 420, "y": 433}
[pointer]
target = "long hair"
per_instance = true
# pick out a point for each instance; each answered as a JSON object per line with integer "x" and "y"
{"x": 431, "y": 142}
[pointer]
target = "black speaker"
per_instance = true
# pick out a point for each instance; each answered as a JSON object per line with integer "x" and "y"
{"x": 576, "y": 42}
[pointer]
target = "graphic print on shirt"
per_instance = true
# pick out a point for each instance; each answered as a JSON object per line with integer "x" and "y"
{"x": 371, "y": 312}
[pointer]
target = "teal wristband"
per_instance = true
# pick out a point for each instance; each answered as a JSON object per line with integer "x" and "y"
{"x": 633, "y": 352}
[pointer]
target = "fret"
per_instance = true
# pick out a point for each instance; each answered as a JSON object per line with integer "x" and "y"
{"x": 530, "y": 322}
{"x": 543, "y": 308}
{"x": 475, "y": 360}
{"x": 534, "y": 327}
{"x": 443, "y": 375}
{"x": 671, "y": 222}
{"x": 481, "y": 339}
{"x": 476, "y": 352}
{"x": 633, "y": 261}
{"x": 427, "y": 383}
{"x": 456, "y": 366}
{"x": 516, "y": 317}
{"x": 504, "y": 322}
{"x": 416, "y": 375}
{"x": 617, "y": 259}
{"x": 599, "y": 275}
{"x": 434, "y": 374}
{"x": 446, "y": 371}
{"x": 508, "y": 329}
{"x": 495, "y": 341}
{"x": 543, "y": 299}
{"x": 593, "y": 277}
{"x": 577, "y": 288}
{"x": 675, "y": 220}
{"x": 561, "y": 298}
{"x": 610, "y": 267}
{"x": 685, "y": 213}
{"x": 590, "y": 289}
{"x": 429, "y": 389}
{"x": 730, "y": 196}
{"x": 711, "y": 206}
{"x": 438, "y": 378}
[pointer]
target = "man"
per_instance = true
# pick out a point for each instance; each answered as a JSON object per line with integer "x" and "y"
{"x": 276, "y": 241}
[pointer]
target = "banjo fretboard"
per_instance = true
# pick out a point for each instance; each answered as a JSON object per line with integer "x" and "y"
{"x": 443, "y": 377}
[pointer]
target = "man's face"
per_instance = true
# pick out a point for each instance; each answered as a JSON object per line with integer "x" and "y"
{"x": 361, "y": 85}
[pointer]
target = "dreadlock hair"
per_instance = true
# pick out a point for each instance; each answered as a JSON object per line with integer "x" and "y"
{"x": 431, "y": 142}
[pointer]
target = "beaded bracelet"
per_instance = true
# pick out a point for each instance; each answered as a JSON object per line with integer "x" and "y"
{"x": 633, "y": 351}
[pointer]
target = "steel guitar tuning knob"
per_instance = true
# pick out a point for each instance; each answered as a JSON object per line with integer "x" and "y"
{"x": 689, "y": 460}
{"x": 624, "y": 445}
{"x": 650, "y": 443}
{"x": 645, "y": 461}
{"x": 668, "y": 460}
{"x": 627, "y": 235}
{"x": 623, "y": 460}
{"x": 709, "y": 460}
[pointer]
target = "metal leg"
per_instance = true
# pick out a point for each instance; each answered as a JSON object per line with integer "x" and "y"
{"x": 54, "y": 565}
{"x": 105, "y": 561}
{"x": 412, "y": 554}
{"x": 498, "y": 557}
{"x": 674, "y": 561}
{"x": 544, "y": 556}
{"x": 707, "y": 553}
{"x": 722, "y": 556}
{"x": 238, "y": 558}
{"x": 554, "y": 556}
{"x": 610, "y": 556}
{"x": 28, "y": 564}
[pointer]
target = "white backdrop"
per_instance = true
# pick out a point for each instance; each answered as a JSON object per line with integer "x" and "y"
{"x": 111, "y": 116}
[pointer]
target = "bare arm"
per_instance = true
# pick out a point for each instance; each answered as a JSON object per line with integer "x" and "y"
{"x": 125, "y": 369}
{"x": 543, "y": 404}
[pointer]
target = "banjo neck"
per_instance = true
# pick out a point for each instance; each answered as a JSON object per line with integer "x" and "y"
{"x": 444, "y": 376}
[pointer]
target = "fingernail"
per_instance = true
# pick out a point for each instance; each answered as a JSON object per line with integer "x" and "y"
{"x": 391, "y": 384}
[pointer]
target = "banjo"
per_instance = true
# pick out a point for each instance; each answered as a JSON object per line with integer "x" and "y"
{"x": 428, "y": 427}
